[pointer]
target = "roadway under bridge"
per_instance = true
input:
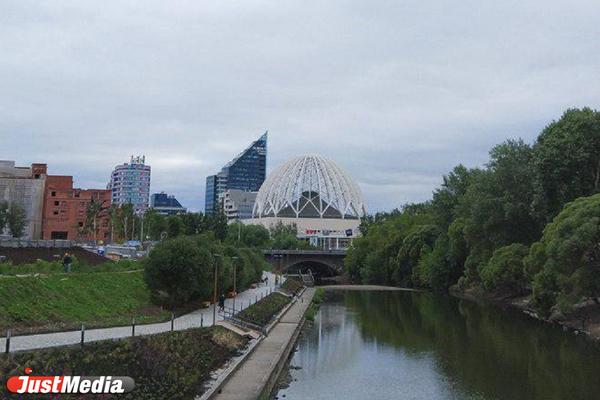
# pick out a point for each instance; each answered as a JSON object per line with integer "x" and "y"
{"x": 321, "y": 263}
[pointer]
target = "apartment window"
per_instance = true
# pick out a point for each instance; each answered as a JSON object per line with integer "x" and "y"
{"x": 55, "y": 212}
{"x": 53, "y": 194}
{"x": 56, "y": 203}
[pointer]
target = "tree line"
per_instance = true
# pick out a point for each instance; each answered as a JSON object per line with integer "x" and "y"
{"x": 526, "y": 222}
{"x": 181, "y": 268}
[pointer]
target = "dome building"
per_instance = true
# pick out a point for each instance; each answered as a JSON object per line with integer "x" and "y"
{"x": 317, "y": 196}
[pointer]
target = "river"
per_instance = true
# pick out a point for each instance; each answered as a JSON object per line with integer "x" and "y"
{"x": 410, "y": 345}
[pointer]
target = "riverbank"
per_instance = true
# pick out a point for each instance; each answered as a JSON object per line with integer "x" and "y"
{"x": 258, "y": 374}
{"x": 584, "y": 320}
{"x": 174, "y": 365}
{"x": 367, "y": 287}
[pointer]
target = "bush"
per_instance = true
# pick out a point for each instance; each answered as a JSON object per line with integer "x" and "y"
{"x": 172, "y": 365}
{"x": 263, "y": 311}
{"x": 178, "y": 271}
{"x": 292, "y": 286}
{"x": 505, "y": 269}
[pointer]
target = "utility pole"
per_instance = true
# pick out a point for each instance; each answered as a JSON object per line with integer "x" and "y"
{"x": 216, "y": 256}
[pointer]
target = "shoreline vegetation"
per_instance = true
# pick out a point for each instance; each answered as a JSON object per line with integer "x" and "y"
{"x": 173, "y": 365}
{"x": 521, "y": 230}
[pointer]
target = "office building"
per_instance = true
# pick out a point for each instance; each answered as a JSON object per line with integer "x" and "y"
{"x": 164, "y": 204}
{"x": 246, "y": 172}
{"x": 238, "y": 204}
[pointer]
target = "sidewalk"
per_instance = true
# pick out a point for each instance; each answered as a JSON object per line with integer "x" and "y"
{"x": 258, "y": 371}
{"x": 191, "y": 320}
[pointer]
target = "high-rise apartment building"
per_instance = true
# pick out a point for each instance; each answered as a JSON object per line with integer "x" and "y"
{"x": 246, "y": 172}
{"x": 130, "y": 184}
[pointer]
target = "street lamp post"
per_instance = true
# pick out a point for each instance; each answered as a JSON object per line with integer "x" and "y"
{"x": 216, "y": 256}
{"x": 234, "y": 280}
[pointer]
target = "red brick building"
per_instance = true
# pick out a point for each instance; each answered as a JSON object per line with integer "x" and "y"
{"x": 65, "y": 211}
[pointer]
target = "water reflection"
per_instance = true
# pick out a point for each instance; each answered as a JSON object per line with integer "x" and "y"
{"x": 400, "y": 345}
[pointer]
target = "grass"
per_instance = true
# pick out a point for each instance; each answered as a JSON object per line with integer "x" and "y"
{"x": 64, "y": 301}
{"x": 317, "y": 300}
{"x": 263, "y": 311}
{"x": 292, "y": 286}
{"x": 56, "y": 267}
{"x": 172, "y": 365}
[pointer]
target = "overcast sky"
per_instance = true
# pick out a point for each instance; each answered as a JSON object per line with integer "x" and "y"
{"x": 396, "y": 92}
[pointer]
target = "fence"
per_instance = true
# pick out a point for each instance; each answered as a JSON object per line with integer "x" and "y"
{"x": 228, "y": 314}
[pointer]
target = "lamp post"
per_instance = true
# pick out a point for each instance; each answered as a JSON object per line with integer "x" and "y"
{"x": 234, "y": 280}
{"x": 279, "y": 258}
{"x": 216, "y": 256}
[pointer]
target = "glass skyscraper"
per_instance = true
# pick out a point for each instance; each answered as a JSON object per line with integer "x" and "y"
{"x": 246, "y": 172}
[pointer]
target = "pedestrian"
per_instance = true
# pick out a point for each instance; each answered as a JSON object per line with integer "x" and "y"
{"x": 67, "y": 261}
{"x": 222, "y": 303}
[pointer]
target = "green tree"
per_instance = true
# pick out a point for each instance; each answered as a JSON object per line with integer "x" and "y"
{"x": 505, "y": 269}
{"x": 92, "y": 214}
{"x": 178, "y": 271}
{"x": 3, "y": 215}
{"x": 567, "y": 258}
{"x": 17, "y": 220}
{"x": 243, "y": 235}
{"x": 567, "y": 161}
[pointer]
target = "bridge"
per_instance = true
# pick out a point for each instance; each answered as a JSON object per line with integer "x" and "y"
{"x": 325, "y": 263}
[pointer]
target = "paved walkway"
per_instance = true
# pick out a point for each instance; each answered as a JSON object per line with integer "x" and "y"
{"x": 191, "y": 320}
{"x": 249, "y": 381}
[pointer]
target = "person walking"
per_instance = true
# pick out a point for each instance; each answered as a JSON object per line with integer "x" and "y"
{"x": 222, "y": 303}
{"x": 67, "y": 261}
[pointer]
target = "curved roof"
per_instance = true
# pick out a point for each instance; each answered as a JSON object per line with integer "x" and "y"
{"x": 309, "y": 187}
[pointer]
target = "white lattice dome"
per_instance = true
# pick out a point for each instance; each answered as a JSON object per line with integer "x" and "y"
{"x": 309, "y": 187}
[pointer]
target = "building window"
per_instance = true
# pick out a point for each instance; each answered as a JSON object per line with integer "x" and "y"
{"x": 53, "y": 194}
{"x": 55, "y": 212}
{"x": 56, "y": 203}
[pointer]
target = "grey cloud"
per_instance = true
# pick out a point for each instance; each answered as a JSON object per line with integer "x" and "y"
{"x": 397, "y": 92}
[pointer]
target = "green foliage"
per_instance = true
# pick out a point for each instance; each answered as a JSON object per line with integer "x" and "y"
{"x": 173, "y": 365}
{"x": 16, "y": 219}
{"x": 178, "y": 271}
{"x": 56, "y": 267}
{"x": 284, "y": 237}
{"x": 566, "y": 261}
{"x": 505, "y": 269}
{"x": 3, "y": 215}
{"x": 248, "y": 235}
{"x": 263, "y": 311}
{"x": 292, "y": 286}
{"x": 567, "y": 161}
{"x": 479, "y": 223}
{"x": 59, "y": 301}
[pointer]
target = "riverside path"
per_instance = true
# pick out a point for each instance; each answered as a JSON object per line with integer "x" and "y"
{"x": 259, "y": 371}
{"x": 186, "y": 321}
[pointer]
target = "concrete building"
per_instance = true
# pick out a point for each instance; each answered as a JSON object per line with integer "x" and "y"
{"x": 130, "y": 184}
{"x": 317, "y": 196}
{"x": 24, "y": 186}
{"x": 65, "y": 211}
{"x": 164, "y": 204}
{"x": 238, "y": 204}
{"x": 245, "y": 172}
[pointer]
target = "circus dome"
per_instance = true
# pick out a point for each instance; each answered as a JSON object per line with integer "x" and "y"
{"x": 309, "y": 187}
